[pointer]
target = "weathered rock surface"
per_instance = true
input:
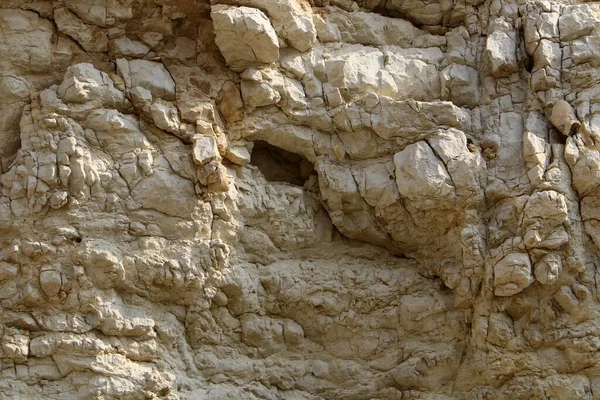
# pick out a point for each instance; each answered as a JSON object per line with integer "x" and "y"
{"x": 257, "y": 199}
{"x": 245, "y": 36}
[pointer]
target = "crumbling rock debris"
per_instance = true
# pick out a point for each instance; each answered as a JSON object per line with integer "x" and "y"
{"x": 297, "y": 199}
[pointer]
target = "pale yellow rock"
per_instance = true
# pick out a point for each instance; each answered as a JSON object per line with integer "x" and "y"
{"x": 245, "y": 36}
{"x": 292, "y": 20}
{"x": 150, "y": 75}
{"x": 125, "y": 47}
{"x": 205, "y": 149}
{"x": 252, "y": 199}
{"x": 165, "y": 117}
{"x": 420, "y": 174}
{"x": 338, "y": 147}
{"x": 563, "y": 117}
{"x": 51, "y": 282}
{"x": 501, "y": 48}
{"x": 91, "y": 38}
{"x": 512, "y": 274}
{"x": 238, "y": 155}
{"x": 548, "y": 269}
{"x": 231, "y": 104}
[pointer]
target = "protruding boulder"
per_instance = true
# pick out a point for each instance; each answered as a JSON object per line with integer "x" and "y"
{"x": 563, "y": 117}
{"x": 420, "y": 174}
{"x": 245, "y": 36}
{"x": 577, "y": 21}
{"x": 460, "y": 85}
{"x": 291, "y": 19}
{"x": 512, "y": 274}
{"x": 166, "y": 118}
{"x": 149, "y": 75}
{"x": 50, "y": 282}
{"x": 501, "y": 49}
{"x": 238, "y": 155}
{"x": 205, "y": 149}
{"x": 84, "y": 83}
{"x": 259, "y": 94}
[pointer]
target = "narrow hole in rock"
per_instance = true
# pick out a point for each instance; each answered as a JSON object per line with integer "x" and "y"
{"x": 556, "y": 137}
{"x": 278, "y": 165}
{"x": 8, "y": 153}
{"x": 528, "y": 63}
{"x": 574, "y": 129}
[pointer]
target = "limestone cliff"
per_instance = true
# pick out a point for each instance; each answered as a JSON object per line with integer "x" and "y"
{"x": 294, "y": 199}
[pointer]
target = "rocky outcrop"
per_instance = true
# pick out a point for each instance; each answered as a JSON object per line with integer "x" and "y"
{"x": 299, "y": 199}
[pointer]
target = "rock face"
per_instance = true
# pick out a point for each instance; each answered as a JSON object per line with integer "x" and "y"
{"x": 255, "y": 199}
{"x": 245, "y": 36}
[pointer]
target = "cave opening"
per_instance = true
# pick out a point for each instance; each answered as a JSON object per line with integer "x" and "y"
{"x": 278, "y": 165}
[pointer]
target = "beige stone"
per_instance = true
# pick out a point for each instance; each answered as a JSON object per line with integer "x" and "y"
{"x": 91, "y": 38}
{"x": 501, "y": 48}
{"x": 563, "y": 117}
{"x": 150, "y": 75}
{"x": 245, "y": 36}
{"x": 298, "y": 199}
{"x": 231, "y": 105}
{"x": 512, "y": 274}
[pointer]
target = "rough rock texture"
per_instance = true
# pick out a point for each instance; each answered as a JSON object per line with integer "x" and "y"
{"x": 294, "y": 199}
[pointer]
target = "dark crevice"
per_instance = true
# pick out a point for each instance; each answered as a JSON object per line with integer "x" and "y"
{"x": 557, "y": 138}
{"x": 528, "y": 63}
{"x": 278, "y": 165}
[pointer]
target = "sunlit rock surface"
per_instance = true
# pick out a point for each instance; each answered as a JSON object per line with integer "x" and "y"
{"x": 293, "y": 199}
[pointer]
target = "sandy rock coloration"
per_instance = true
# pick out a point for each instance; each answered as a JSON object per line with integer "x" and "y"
{"x": 299, "y": 199}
